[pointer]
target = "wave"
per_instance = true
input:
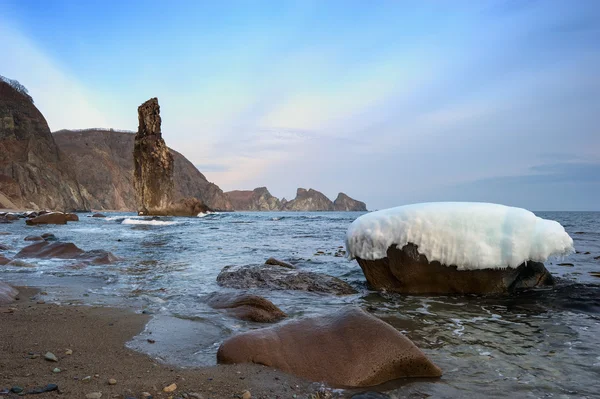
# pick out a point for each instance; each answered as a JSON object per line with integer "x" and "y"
{"x": 148, "y": 222}
{"x": 203, "y": 214}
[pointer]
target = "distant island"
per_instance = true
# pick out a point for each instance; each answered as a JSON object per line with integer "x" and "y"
{"x": 260, "y": 199}
{"x": 73, "y": 170}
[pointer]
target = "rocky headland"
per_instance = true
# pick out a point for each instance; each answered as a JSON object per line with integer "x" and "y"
{"x": 34, "y": 173}
{"x": 260, "y": 199}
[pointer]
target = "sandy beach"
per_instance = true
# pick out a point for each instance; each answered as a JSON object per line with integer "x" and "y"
{"x": 29, "y": 328}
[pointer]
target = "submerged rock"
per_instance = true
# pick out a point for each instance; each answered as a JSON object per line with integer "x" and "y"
{"x": 34, "y": 238}
{"x": 98, "y": 215}
{"x": 153, "y": 162}
{"x": 407, "y": 271}
{"x": 7, "y": 293}
{"x": 4, "y": 260}
{"x": 280, "y": 278}
{"x": 66, "y": 250}
{"x": 247, "y": 307}
{"x": 348, "y": 348}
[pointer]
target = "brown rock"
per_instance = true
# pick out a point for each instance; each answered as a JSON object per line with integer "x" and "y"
{"x": 49, "y": 218}
{"x": 33, "y": 171}
{"x": 71, "y": 217}
{"x": 186, "y": 207}
{"x": 277, "y": 262}
{"x": 153, "y": 163}
{"x": 348, "y": 348}
{"x": 4, "y": 260}
{"x": 65, "y": 250}
{"x": 7, "y": 293}
{"x": 407, "y": 271}
{"x": 259, "y": 199}
{"x": 247, "y": 307}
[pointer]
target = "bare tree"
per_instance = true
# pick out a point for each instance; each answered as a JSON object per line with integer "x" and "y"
{"x": 15, "y": 84}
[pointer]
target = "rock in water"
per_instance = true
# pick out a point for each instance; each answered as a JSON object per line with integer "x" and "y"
{"x": 7, "y": 293}
{"x": 308, "y": 201}
{"x": 247, "y": 307}
{"x": 407, "y": 271}
{"x": 66, "y": 250}
{"x": 347, "y": 204}
{"x": 53, "y": 218}
{"x": 281, "y": 278}
{"x": 259, "y": 199}
{"x": 348, "y": 348}
{"x": 153, "y": 162}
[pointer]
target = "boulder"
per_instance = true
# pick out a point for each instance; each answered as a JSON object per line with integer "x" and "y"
{"x": 7, "y": 293}
{"x": 49, "y": 237}
{"x": 65, "y": 250}
{"x": 11, "y": 217}
{"x": 186, "y": 207}
{"x": 347, "y": 348}
{"x": 49, "y": 218}
{"x": 247, "y": 307}
{"x": 4, "y": 260}
{"x": 407, "y": 271}
{"x": 280, "y": 278}
{"x": 34, "y": 238}
{"x": 71, "y": 217}
{"x": 277, "y": 262}
{"x": 4, "y": 247}
{"x": 3, "y": 219}
{"x": 98, "y": 215}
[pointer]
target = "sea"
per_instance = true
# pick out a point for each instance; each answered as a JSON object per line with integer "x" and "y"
{"x": 542, "y": 344}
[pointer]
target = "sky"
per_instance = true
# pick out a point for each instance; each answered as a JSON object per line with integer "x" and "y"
{"x": 391, "y": 102}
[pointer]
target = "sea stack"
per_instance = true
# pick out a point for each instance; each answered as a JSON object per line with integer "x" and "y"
{"x": 153, "y": 163}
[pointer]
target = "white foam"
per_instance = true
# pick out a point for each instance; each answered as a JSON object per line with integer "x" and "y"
{"x": 469, "y": 235}
{"x": 148, "y": 222}
{"x": 203, "y": 214}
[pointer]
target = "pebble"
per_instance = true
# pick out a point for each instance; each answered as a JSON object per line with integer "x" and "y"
{"x": 170, "y": 388}
{"x": 146, "y": 395}
{"x": 34, "y": 356}
{"x": 50, "y": 357}
{"x": 56, "y": 370}
{"x": 68, "y": 352}
{"x": 16, "y": 389}
{"x": 246, "y": 395}
{"x": 94, "y": 395}
{"x": 195, "y": 395}
{"x": 112, "y": 381}
{"x": 88, "y": 378}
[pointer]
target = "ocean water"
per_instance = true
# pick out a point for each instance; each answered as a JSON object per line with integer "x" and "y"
{"x": 540, "y": 344}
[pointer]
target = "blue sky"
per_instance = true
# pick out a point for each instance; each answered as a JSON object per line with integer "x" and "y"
{"x": 391, "y": 102}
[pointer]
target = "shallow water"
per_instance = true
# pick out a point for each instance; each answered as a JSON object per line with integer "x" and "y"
{"x": 542, "y": 344}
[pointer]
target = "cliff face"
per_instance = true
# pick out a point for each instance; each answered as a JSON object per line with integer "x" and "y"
{"x": 259, "y": 199}
{"x": 345, "y": 203}
{"x": 33, "y": 171}
{"x": 104, "y": 165}
{"x": 152, "y": 162}
{"x": 309, "y": 200}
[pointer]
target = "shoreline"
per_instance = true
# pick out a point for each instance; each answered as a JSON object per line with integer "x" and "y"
{"x": 97, "y": 337}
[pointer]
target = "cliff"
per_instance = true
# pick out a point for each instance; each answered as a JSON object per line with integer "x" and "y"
{"x": 259, "y": 199}
{"x": 345, "y": 203}
{"x": 104, "y": 166}
{"x": 309, "y": 200}
{"x": 34, "y": 173}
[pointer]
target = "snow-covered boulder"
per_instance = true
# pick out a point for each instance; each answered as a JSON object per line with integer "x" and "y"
{"x": 455, "y": 247}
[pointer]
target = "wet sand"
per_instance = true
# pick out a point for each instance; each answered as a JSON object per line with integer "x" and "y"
{"x": 97, "y": 336}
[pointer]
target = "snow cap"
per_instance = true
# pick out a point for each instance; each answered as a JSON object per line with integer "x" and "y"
{"x": 469, "y": 235}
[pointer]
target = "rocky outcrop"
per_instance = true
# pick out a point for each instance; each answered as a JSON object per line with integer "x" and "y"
{"x": 7, "y": 293}
{"x": 34, "y": 173}
{"x": 308, "y": 201}
{"x": 259, "y": 199}
{"x": 66, "y": 250}
{"x": 104, "y": 166}
{"x": 348, "y": 348}
{"x": 281, "y": 278}
{"x": 347, "y": 204}
{"x": 409, "y": 272}
{"x": 53, "y": 218}
{"x": 247, "y": 307}
{"x": 152, "y": 163}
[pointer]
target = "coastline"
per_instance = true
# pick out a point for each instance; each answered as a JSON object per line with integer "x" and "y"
{"x": 97, "y": 337}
